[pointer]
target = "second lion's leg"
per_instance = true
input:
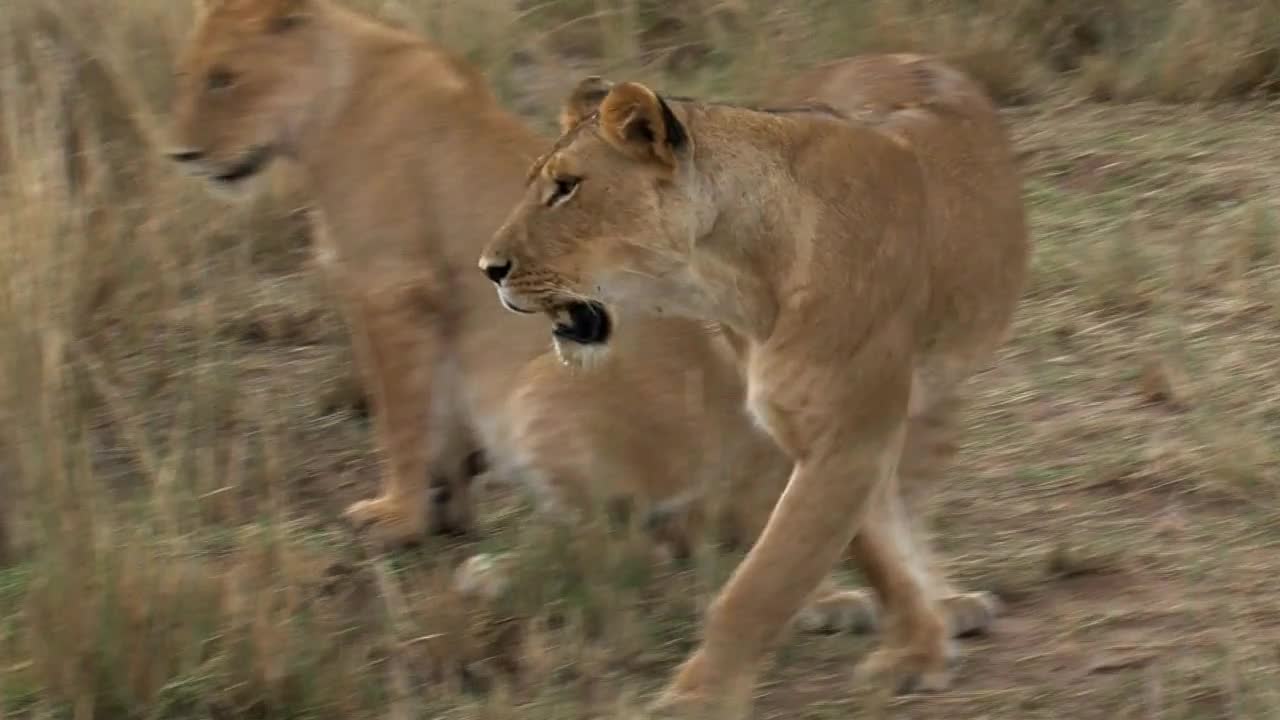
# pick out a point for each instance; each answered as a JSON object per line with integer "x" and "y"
{"x": 399, "y": 346}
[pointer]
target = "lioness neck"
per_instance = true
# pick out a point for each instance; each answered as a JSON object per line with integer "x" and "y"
{"x": 759, "y": 219}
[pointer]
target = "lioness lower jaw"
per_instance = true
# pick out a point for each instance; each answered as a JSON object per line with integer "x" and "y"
{"x": 579, "y": 356}
{"x": 586, "y": 323}
{"x": 581, "y": 333}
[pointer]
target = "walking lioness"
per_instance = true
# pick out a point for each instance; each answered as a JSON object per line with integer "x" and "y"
{"x": 864, "y": 250}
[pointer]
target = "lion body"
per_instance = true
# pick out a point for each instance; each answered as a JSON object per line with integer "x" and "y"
{"x": 863, "y": 251}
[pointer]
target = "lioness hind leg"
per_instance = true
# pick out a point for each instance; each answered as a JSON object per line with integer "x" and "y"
{"x": 916, "y": 650}
{"x": 923, "y": 612}
{"x": 400, "y": 352}
{"x": 927, "y": 453}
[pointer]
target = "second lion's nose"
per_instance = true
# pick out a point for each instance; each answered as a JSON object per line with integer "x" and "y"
{"x": 496, "y": 270}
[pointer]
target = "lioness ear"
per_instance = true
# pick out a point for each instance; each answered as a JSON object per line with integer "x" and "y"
{"x": 584, "y": 100}
{"x": 639, "y": 122}
{"x": 285, "y": 15}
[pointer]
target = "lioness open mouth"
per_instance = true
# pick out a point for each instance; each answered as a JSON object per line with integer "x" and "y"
{"x": 586, "y": 323}
{"x": 249, "y": 166}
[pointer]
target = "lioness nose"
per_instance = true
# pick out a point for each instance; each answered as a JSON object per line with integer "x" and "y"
{"x": 185, "y": 155}
{"x": 496, "y": 269}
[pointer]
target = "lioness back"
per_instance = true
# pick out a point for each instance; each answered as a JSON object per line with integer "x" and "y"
{"x": 974, "y": 185}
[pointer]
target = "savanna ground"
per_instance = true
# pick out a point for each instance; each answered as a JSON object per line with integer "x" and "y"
{"x": 181, "y": 426}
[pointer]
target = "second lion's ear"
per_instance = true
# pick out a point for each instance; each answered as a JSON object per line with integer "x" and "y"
{"x": 583, "y": 100}
{"x": 637, "y": 121}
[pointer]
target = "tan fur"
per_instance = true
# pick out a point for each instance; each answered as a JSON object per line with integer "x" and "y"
{"x": 411, "y": 162}
{"x": 864, "y": 256}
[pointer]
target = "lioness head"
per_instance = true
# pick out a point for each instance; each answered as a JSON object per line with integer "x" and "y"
{"x": 609, "y": 216}
{"x": 246, "y": 82}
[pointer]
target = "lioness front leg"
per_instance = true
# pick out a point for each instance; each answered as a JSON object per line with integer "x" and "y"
{"x": 396, "y": 334}
{"x": 813, "y": 523}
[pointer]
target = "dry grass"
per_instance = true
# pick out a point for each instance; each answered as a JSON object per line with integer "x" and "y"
{"x": 179, "y": 423}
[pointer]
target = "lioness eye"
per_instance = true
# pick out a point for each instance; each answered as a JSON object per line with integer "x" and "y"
{"x": 220, "y": 79}
{"x": 564, "y": 188}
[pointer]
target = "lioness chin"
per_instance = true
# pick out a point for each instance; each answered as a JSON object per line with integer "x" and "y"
{"x": 863, "y": 249}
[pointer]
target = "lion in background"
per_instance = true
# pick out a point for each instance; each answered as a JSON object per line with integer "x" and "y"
{"x": 863, "y": 249}
{"x": 410, "y": 162}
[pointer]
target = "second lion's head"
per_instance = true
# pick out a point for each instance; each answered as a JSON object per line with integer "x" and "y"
{"x": 248, "y": 78}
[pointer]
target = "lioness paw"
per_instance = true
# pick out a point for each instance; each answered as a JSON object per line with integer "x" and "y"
{"x": 483, "y": 576}
{"x": 387, "y": 521}
{"x": 701, "y": 691}
{"x": 854, "y": 611}
{"x": 901, "y": 671}
{"x": 971, "y": 613}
